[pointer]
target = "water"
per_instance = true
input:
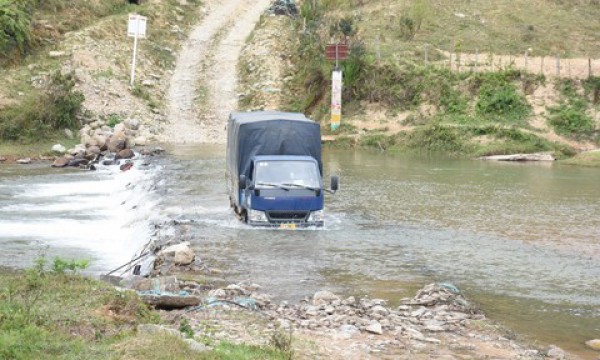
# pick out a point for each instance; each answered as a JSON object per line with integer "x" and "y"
{"x": 100, "y": 216}
{"x": 522, "y": 240}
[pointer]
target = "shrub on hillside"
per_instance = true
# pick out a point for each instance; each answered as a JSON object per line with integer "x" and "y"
{"x": 503, "y": 102}
{"x": 15, "y": 21}
{"x": 571, "y": 120}
{"x": 54, "y": 108}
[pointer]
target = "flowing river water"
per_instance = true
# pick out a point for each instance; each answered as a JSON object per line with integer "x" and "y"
{"x": 521, "y": 240}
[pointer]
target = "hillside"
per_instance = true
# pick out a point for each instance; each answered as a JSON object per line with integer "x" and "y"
{"x": 489, "y": 83}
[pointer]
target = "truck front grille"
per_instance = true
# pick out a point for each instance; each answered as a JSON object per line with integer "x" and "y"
{"x": 287, "y": 216}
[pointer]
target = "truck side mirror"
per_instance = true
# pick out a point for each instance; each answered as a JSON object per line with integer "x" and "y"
{"x": 335, "y": 183}
{"x": 243, "y": 183}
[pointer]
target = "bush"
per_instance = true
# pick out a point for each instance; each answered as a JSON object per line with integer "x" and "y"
{"x": 15, "y": 21}
{"x": 54, "y": 108}
{"x": 502, "y": 102}
{"x": 571, "y": 120}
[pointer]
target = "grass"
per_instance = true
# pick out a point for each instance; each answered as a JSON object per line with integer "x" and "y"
{"x": 57, "y": 314}
{"x": 589, "y": 159}
{"x": 493, "y": 27}
{"x": 37, "y": 148}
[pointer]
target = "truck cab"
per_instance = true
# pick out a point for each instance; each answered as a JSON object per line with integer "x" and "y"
{"x": 284, "y": 190}
{"x": 275, "y": 171}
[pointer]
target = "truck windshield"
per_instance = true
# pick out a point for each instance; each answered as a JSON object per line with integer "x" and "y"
{"x": 275, "y": 173}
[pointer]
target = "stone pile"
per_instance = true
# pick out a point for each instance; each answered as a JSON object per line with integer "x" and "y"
{"x": 434, "y": 309}
{"x": 100, "y": 141}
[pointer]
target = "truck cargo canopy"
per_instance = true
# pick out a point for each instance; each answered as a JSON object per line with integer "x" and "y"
{"x": 269, "y": 133}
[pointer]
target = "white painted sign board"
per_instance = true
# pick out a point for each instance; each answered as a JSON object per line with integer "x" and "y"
{"x": 136, "y": 26}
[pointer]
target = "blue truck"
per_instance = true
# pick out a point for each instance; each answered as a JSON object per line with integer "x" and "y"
{"x": 274, "y": 169}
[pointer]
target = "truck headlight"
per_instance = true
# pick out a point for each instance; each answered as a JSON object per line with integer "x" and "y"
{"x": 257, "y": 216}
{"x": 316, "y": 216}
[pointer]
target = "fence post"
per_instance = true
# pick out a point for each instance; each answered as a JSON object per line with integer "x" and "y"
{"x": 450, "y": 60}
{"x": 378, "y": 49}
{"x": 589, "y": 68}
{"x": 526, "y": 60}
{"x": 426, "y": 55}
{"x": 476, "y": 60}
{"x": 542, "y": 66}
{"x": 557, "y": 65}
{"x": 458, "y": 61}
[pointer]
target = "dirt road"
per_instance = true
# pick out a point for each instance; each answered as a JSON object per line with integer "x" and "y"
{"x": 202, "y": 89}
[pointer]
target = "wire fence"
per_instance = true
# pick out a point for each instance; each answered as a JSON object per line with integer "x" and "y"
{"x": 476, "y": 61}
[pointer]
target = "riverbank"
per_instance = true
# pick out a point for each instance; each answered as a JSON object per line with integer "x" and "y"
{"x": 240, "y": 322}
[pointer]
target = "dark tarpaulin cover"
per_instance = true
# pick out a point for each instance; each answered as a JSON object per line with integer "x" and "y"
{"x": 269, "y": 133}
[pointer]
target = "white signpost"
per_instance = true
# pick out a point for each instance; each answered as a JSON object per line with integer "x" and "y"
{"x": 136, "y": 28}
{"x": 336, "y": 99}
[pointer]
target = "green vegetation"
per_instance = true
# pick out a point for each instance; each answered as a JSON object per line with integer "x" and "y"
{"x": 466, "y": 113}
{"x": 591, "y": 159}
{"x": 39, "y": 97}
{"x": 25, "y": 22}
{"x": 56, "y": 314}
{"x": 44, "y": 111}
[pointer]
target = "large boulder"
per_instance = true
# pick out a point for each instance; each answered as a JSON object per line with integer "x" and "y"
{"x": 140, "y": 141}
{"x": 86, "y": 140}
{"x": 60, "y": 162}
{"x": 100, "y": 141}
{"x": 324, "y": 297}
{"x": 58, "y": 148}
{"x": 180, "y": 254}
{"x": 125, "y": 154}
{"x": 133, "y": 124}
{"x": 593, "y": 344}
{"x": 93, "y": 151}
{"x": 116, "y": 144}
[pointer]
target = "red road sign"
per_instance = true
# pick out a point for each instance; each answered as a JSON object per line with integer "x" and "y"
{"x": 342, "y": 51}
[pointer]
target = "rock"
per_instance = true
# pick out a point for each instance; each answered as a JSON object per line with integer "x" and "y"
{"x": 125, "y": 154}
{"x": 521, "y": 157}
{"x": 170, "y": 301}
{"x": 554, "y": 352}
{"x": 2, "y": 159}
{"x": 132, "y": 124}
{"x": 195, "y": 346}
{"x": 78, "y": 151}
{"x": 56, "y": 54}
{"x": 78, "y": 162}
{"x": 151, "y": 329}
{"x": 374, "y": 328}
{"x": 87, "y": 140}
{"x": 346, "y": 331}
{"x": 58, "y": 148}
{"x": 163, "y": 284}
{"x": 24, "y": 161}
{"x": 93, "y": 151}
{"x": 324, "y": 297}
{"x": 60, "y": 162}
{"x": 379, "y": 310}
{"x": 100, "y": 141}
{"x": 180, "y": 254}
{"x": 116, "y": 144}
{"x": 129, "y": 142}
{"x": 593, "y": 344}
{"x": 119, "y": 128}
{"x": 148, "y": 82}
{"x": 140, "y": 141}
{"x": 69, "y": 133}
